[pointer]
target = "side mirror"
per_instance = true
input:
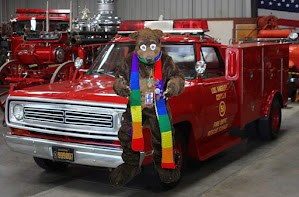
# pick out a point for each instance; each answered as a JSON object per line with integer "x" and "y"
{"x": 200, "y": 67}
{"x": 232, "y": 64}
{"x": 293, "y": 36}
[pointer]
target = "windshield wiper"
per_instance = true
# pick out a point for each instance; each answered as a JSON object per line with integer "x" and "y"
{"x": 103, "y": 72}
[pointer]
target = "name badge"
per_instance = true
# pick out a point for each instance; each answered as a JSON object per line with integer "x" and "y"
{"x": 149, "y": 98}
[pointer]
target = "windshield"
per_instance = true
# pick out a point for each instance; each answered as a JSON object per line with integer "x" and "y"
{"x": 113, "y": 55}
{"x": 20, "y": 27}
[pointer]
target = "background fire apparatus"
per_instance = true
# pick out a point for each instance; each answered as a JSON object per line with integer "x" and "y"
{"x": 227, "y": 88}
{"x": 267, "y": 28}
{"x": 43, "y": 45}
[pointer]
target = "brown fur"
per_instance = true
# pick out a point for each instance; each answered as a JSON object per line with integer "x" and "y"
{"x": 173, "y": 85}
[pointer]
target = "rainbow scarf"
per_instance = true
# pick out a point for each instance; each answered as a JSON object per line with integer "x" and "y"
{"x": 160, "y": 106}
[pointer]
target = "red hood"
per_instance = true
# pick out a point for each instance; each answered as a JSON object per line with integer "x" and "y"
{"x": 89, "y": 88}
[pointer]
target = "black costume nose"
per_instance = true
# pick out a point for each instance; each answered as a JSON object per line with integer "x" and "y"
{"x": 149, "y": 59}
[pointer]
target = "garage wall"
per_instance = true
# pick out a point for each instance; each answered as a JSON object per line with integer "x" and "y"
{"x": 171, "y": 9}
{"x": 143, "y": 9}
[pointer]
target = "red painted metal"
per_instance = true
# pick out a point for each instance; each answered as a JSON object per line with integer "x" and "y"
{"x": 212, "y": 106}
{"x": 131, "y": 25}
{"x": 134, "y": 25}
{"x": 190, "y": 24}
{"x": 28, "y": 11}
{"x": 294, "y": 57}
{"x": 274, "y": 33}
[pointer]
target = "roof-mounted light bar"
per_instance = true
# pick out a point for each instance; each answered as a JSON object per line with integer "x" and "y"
{"x": 174, "y": 31}
{"x": 167, "y": 26}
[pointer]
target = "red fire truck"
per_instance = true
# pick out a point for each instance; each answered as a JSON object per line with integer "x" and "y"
{"x": 227, "y": 88}
{"x": 44, "y": 48}
{"x": 32, "y": 41}
{"x": 33, "y": 20}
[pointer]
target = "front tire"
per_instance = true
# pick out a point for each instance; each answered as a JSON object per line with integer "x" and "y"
{"x": 179, "y": 150}
{"x": 269, "y": 127}
{"x": 50, "y": 165}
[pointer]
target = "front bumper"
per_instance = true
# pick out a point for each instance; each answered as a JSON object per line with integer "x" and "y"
{"x": 84, "y": 154}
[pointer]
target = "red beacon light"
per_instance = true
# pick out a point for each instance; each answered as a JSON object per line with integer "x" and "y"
{"x": 191, "y": 24}
{"x": 131, "y": 25}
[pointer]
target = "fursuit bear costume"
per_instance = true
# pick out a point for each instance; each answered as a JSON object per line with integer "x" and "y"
{"x": 148, "y": 77}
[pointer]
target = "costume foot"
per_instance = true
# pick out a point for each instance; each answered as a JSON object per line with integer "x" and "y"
{"x": 123, "y": 174}
{"x": 168, "y": 175}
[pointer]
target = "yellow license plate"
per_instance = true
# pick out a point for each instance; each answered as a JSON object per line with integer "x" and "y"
{"x": 63, "y": 154}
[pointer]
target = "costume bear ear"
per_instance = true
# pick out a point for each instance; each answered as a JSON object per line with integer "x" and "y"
{"x": 158, "y": 33}
{"x": 134, "y": 35}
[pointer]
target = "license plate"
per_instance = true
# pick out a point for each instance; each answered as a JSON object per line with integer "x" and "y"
{"x": 63, "y": 154}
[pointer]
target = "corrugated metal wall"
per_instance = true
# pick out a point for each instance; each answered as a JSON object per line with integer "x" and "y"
{"x": 171, "y": 9}
{"x": 143, "y": 9}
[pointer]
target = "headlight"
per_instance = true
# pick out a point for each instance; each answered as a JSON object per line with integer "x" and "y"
{"x": 78, "y": 62}
{"x": 59, "y": 54}
{"x": 18, "y": 111}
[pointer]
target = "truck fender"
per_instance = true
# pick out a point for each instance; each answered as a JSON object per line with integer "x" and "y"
{"x": 267, "y": 102}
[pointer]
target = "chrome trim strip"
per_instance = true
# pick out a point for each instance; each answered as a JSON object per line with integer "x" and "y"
{"x": 84, "y": 154}
{"x": 263, "y": 72}
{"x": 76, "y": 102}
{"x": 242, "y": 85}
{"x": 70, "y": 134}
{"x": 281, "y": 75}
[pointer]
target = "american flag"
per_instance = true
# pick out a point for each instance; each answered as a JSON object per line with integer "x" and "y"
{"x": 287, "y": 11}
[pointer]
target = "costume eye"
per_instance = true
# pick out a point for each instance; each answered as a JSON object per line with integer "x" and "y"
{"x": 143, "y": 47}
{"x": 153, "y": 47}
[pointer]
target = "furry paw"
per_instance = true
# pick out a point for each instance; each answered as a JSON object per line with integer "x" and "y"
{"x": 121, "y": 87}
{"x": 170, "y": 91}
{"x": 123, "y": 174}
{"x": 168, "y": 176}
{"x": 124, "y": 92}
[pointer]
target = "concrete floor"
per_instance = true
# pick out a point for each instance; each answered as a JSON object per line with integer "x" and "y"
{"x": 252, "y": 168}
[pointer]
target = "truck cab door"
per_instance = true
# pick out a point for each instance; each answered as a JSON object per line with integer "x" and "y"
{"x": 218, "y": 94}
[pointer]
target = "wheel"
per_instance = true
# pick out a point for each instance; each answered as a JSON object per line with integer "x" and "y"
{"x": 180, "y": 157}
{"x": 293, "y": 96}
{"x": 11, "y": 69}
{"x": 292, "y": 92}
{"x": 269, "y": 126}
{"x": 64, "y": 72}
{"x": 251, "y": 130}
{"x": 50, "y": 165}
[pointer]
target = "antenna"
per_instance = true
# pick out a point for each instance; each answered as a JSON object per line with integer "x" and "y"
{"x": 71, "y": 15}
{"x": 47, "y": 17}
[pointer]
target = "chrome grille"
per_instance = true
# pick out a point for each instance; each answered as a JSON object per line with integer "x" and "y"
{"x": 68, "y": 118}
{"x": 43, "y": 115}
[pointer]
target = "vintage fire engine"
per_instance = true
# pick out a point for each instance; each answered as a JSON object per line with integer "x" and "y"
{"x": 227, "y": 88}
{"x": 46, "y": 50}
{"x": 34, "y": 46}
